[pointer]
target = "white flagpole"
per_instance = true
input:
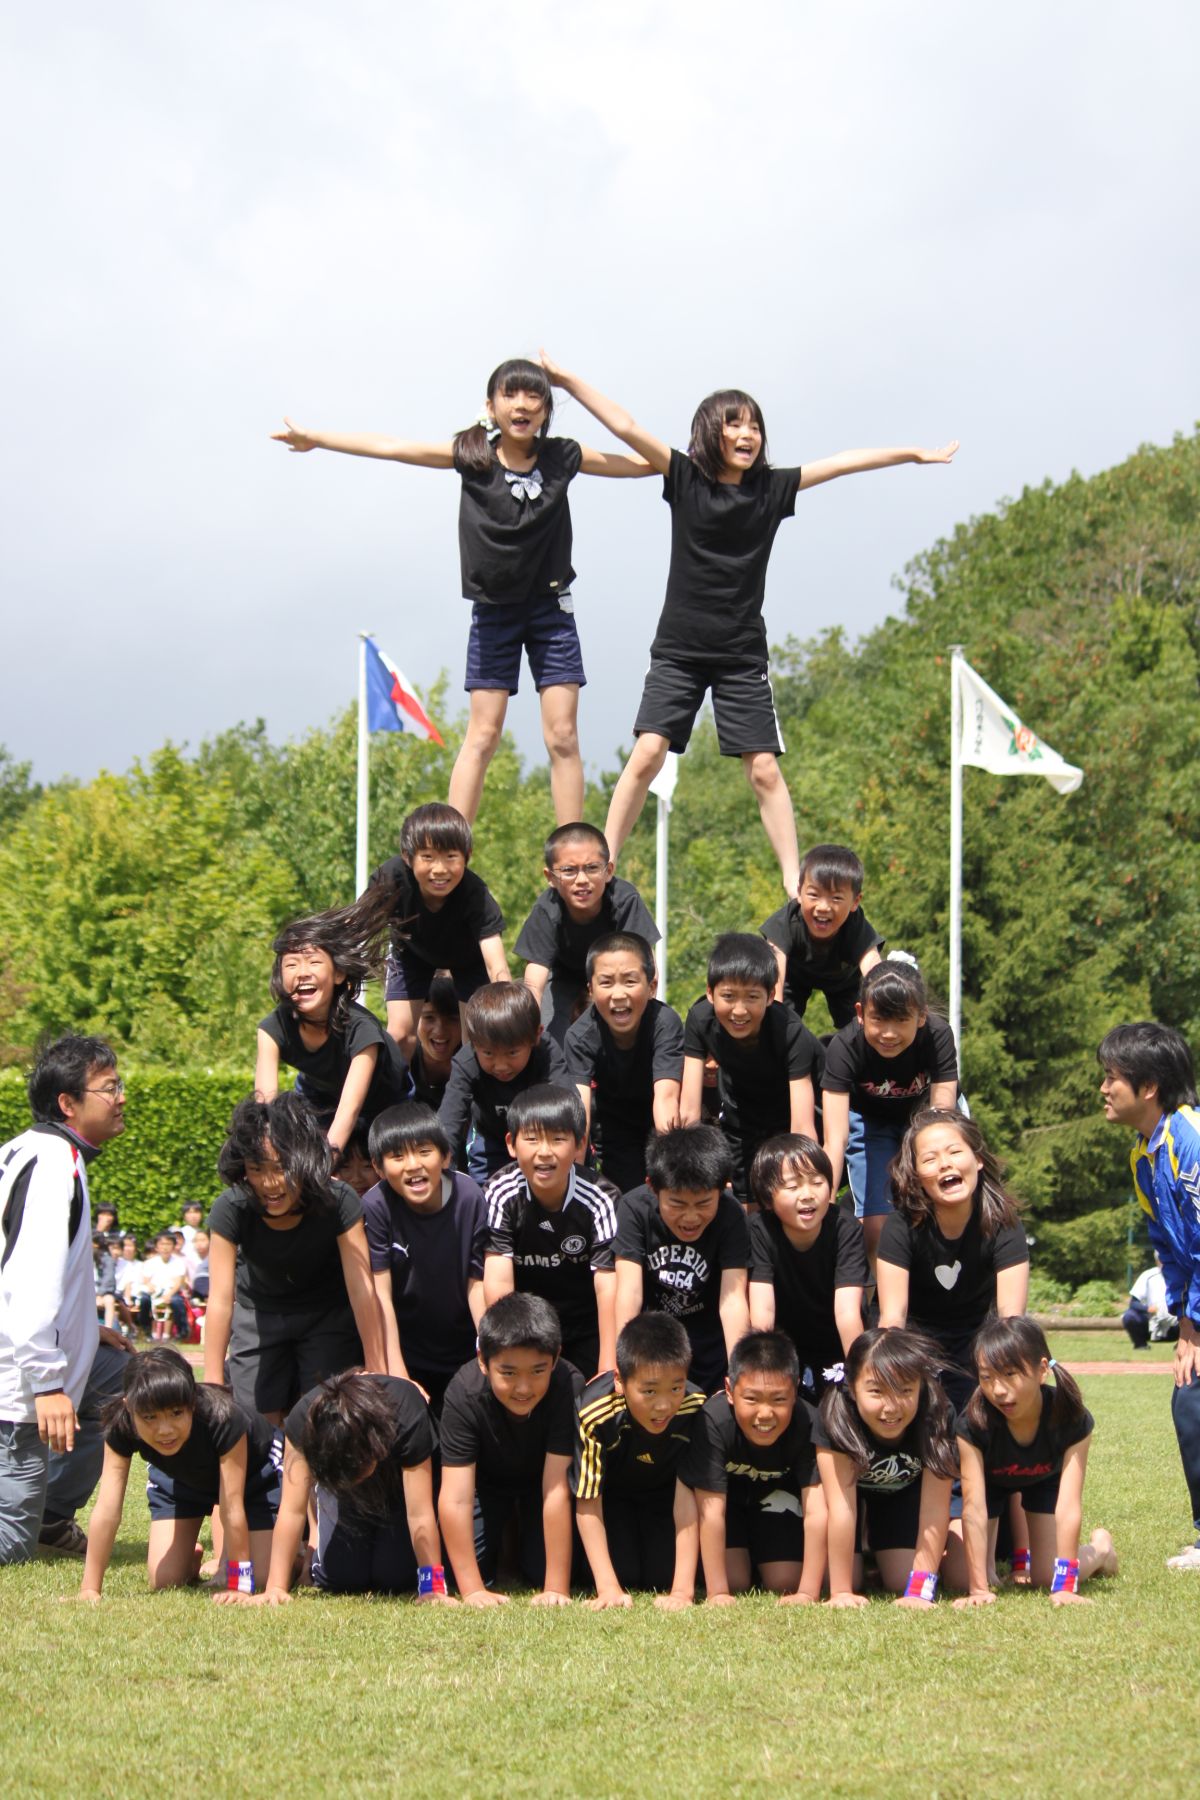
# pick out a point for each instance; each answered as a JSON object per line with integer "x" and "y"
{"x": 364, "y": 746}
{"x": 663, "y": 786}
{"x": 956, "y": 653}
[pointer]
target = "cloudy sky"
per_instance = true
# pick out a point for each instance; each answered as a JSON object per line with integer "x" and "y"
{"x": 892, "y": 224}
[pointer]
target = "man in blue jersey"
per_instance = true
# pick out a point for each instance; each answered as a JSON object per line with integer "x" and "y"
{"x": 1149, "y": 1083}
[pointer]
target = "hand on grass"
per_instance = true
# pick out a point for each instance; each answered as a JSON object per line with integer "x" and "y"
{"x": 88, "y": 1596}
{"x": 673, "y": 1602}
{"x": 847, "y": 1600}
{"x": 609, "y": 1599}
{"x": 437, "y": 1600}
{"x": 914, "y": 1603}
{"x": 977, "y": 1597}
{"x": 721, "y": 1600}
{"x": 800, "y": 1598}
{"x": 1066, "y": 1598}
{"x": 484, "y": 1597}
{"x": 548, "y": 1597}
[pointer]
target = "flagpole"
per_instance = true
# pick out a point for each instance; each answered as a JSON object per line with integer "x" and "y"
{"x": 364, "y": 747}
{"x": 663, "y": 787}
{"x": 956, "y": 655}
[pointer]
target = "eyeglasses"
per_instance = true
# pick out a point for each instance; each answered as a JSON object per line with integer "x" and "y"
{"x": 569, "y": 872}
{"x": 112, "y": 1090}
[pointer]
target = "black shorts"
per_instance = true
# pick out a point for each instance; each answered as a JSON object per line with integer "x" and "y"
{"x": 1038, "y": 1497}
{"x": 356, "y": 1553}
{"x": 892, "y": 1518}
{"x": 743, "y": 704}
{"x": 275, "y": 1357}
{"x": 640, "y": 1529}
{"x": 769, "y": 1524}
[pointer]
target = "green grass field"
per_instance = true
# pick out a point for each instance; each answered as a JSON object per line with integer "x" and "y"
{"x": 361, "y": 1696}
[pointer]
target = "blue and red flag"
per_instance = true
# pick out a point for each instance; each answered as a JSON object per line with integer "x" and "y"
{"x": 392, "y": 705}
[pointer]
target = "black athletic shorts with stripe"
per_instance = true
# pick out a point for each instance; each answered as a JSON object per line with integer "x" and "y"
{"x": 743, "y": 704}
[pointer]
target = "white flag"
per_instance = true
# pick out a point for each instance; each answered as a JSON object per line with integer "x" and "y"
{"x": 993, "y": 737}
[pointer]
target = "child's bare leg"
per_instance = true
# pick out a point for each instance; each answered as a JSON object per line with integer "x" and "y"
{"x": 173, "y": 1557}
{"x": 484, "y": 726}
{"x": 1019, "y": 1529}
{"x": 1097, "y": 1556}
{"x": 872, "y": 1227}
{"x": 647, "y": 757}
{"x": 214, "y": 1563}
{"x": 737, "y": 1562}
{"x": 402, "y": 1025}
{"x": 560, "y": 712}
{"x": 775, "y": 806}
{"x": 894, "y": 1567}
{"x": 954, "y": 1562}
{"x": 260, "y": 1556}
{"x": 781, "y": 1577}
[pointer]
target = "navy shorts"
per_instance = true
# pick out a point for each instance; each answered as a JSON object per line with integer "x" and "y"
{"x": 1038, "y": 1497}
{"x": 544, "y": 628}
{"x": 892, "y": 1517}
{"x": 743, "y": 704}
{"x": 410, "y": 978}
{"x": 172, "y": 1499}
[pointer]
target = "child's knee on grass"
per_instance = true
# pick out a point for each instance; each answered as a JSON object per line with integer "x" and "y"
{"x": 737, "y": 1570}
{"x": 780, "y": 1577}
{"x": 173, "y": 1557}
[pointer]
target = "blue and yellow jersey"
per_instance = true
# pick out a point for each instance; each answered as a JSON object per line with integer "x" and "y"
{"x": 1166, "y": 1176}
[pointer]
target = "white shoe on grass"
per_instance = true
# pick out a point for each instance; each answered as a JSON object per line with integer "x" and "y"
{"x": 1187, "y": 1559}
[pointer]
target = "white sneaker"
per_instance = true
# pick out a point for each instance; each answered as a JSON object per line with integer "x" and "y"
{"x": 1187, "y": 1559}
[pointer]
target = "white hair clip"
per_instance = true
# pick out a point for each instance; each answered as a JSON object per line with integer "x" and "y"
{"x": 835, "y": 1374}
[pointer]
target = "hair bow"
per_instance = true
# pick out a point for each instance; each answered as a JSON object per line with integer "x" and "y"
{"x": 835, "y": 1374}
{"x": 525, "y": 487}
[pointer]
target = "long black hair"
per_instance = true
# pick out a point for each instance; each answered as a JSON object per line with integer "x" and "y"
{"x": 351, "y": 1425}
{"x": 159, "y": 1380}
{"x": 354, "y": 950}
{"x": 1008, "y": 1344}
{"x": 996, "y": 1205}
{"x": 297, "y": 1140}
{"x": 473, "y": 452}
{"x": 896, "y": 1357}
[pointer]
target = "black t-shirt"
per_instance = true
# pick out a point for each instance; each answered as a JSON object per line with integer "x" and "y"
{"x": 805, "y": 1280}
{"x": 894, "y": 1465}
{"x": 677, "y": 1278}
{"x": 450, "y": 937}
{"x": 197, "y": 1463}
{"x": 624, "y": 1075}
{"x": 432, "y": 1256}
{"x": 830, "y": 965}
{"x": 554, "y": 1254}
{"x": 325, "y": 1069}
{"x": 509, "y": 1453}
{"x": 287, "y": 1271}
{"x": 475, "y": 1098}
{"x": 890, "y": 1087}
{"x": 951, "y": 1281}
{"x": 614, "y": 1455}
{"x": 551, "y": 937}
{"x": 425, "y": 1088}
{"x": 722, "y": 1456}
{"x": 721, "y": 538}
{"x": 514, "y": 531}
{"x": 754, "y": 1074}
{"x": 1012, "y": 1466}
{"x": 414, "y": 1443}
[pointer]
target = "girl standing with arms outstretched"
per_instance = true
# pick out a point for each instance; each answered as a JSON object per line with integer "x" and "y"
{"x": 514, "y": 534}
{"x": 726, "y": 504}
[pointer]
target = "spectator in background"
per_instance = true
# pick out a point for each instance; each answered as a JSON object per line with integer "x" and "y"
{"x": 1148, "y": 1318}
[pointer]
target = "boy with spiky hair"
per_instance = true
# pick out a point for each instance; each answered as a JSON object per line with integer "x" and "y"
{"x": 768, "y": 1062}
{"x": 636, "y": 1519}
{"x": 1149, "y": 1084}
{"x": 507, "y": 1437}
{"x": 754, "y": 1471}
{"x": 582, "y": 901}
{"x": 550, "y": 1229}
{"x": 625, "y": 1055}
{"x": 822, "y": 941}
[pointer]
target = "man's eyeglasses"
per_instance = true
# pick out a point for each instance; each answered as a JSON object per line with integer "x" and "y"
{"x": 569, "y": 872}
{"x": 112, "y": 1090}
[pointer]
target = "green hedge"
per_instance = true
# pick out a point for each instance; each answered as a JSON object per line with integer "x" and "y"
{"x": 167, "y": 1154}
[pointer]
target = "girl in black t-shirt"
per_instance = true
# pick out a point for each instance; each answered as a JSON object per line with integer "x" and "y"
{"x": 727, "y": 504}
{"x": 514, "y": 534}
{"x": 886, "y": 1456}
{"x": 290, "y": 1291}
{"x": 348, "y": 1067}
{"x": 954, "y": 1248}
{"x": 1017, "y": 1434}
{"x": 205, "y": 1452}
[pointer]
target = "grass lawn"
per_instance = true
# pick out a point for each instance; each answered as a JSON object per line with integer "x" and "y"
{"x": 1104, "y": 1346}
{"x": 360, "y": 1696}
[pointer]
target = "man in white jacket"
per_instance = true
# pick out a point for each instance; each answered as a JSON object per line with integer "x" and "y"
{"x": 49, "y": 1335}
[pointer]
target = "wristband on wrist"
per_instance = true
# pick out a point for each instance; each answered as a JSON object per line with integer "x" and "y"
{"x": 1020, "y": 1562}
{"x": 1065, "y": 1579}
{"x": 921, "y": 1586}
{"x": 431, "y": 1579}
{"x": 239, "y": 1577}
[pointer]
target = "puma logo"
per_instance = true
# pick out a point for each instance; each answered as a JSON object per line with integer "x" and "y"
{"x": 948, "y": 1275}
{"x": 780, "y": 1501}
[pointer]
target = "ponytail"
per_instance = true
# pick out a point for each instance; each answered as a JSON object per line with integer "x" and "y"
{"x": 473, "y": 451}
{"x": 1021, "y": 1344}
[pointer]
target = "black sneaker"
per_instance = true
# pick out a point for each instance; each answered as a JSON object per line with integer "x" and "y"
{"x": 63, "y": 1536}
